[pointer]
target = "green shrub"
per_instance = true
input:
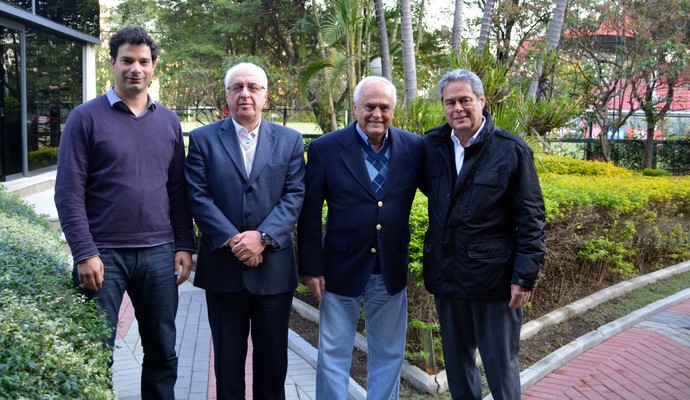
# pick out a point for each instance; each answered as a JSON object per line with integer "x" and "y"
{"x": 51, "y": 338}
{"x": 43, "y": 157}
{"x": 14, "y": 207}
{"x": 655, "y": 172}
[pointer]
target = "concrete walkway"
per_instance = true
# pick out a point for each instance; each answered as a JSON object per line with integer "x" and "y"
{"x": 645, "y": 355}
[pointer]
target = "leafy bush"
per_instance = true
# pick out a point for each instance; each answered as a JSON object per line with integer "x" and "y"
{"x": 51, "y": 338}
{"x": 43, "y": 157}
{"x": 13, "y": 206}
{"x": 655, "y": 172}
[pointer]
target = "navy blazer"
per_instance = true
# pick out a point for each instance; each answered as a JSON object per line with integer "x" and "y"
{"x": 225, "y": 201}
{"x": 359, "y": 227}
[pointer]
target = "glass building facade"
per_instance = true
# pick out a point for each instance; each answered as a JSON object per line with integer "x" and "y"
{"x": 47, "y": 67}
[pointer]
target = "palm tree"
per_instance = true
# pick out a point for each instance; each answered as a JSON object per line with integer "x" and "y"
{"x": 383, "y": 40}
{"x": 457, "y": 27}
{"x": 409, "y": 65}
{"x": 553, "y": 36}
{"x": 322, "y": 52}
{"x": 341, "y": 31}
{"x": 486, "y": 23}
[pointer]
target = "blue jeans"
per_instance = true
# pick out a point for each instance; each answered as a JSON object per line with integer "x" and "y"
{"x": 386, "y": 326}
{"x": 147, "y": 274}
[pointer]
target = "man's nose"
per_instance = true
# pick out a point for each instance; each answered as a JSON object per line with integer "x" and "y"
{"x": 135, "y": 67}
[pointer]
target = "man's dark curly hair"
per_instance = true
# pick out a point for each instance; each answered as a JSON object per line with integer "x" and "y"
{"x": 132, "y": 35}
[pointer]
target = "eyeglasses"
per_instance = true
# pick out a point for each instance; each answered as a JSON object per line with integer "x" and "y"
{"x": 464, "y": 102}
{"x": 252, "y": 87}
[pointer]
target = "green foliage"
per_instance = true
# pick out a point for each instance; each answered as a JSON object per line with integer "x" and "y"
{"x": 604, "y": 252}
{"x": 51, "y": 338}
{"x": 571, "y": 166}
{"x": 497, "y": 88}
{"x": 418, "y": 225}
{"x": 423, "y": 116}
{"x": 14, "y": 207}
{"x": 43, "y": 157}
{"x": 655, "y": 172}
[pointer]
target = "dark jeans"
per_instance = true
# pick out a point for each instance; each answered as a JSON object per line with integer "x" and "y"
{"x": 147, "y": 276}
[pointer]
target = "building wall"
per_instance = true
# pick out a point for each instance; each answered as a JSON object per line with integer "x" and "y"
{"x": 47, "y": 67}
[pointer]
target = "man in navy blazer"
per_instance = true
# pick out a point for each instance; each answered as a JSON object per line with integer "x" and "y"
{"x": 245, "y": 180}
{"x": 368, "y": 174}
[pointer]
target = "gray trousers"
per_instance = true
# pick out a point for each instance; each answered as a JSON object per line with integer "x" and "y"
{"x": 493, "y": 328}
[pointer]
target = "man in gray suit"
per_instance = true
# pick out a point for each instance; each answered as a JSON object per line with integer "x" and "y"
{"x": 245, "y": 180}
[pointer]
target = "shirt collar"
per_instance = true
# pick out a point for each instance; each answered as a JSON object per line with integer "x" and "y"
{"x": 366, "y": 138}
{"x": 474, "y": 139}
{"x": 116, "y": 102}
{"x": 238, "y": 127}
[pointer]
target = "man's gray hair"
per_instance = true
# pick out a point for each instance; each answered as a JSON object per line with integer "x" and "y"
{"x": 245, "y": 65}
{"x": 370, "y": 79}
{"x": 461, "y": 75}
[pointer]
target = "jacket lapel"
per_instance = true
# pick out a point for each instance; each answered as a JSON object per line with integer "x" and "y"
{"x": 351, "y": 155}
{"x": 264, "y": 149}
{"x": 398, "y": 160}
{"x": 444, "y": 148}
{"x": 228, "y": 140}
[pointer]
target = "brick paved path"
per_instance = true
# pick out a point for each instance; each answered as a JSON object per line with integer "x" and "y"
{"x": 648, "y": 361}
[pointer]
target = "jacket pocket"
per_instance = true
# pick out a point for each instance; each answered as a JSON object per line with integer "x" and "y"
{"x": 496, "y": 246}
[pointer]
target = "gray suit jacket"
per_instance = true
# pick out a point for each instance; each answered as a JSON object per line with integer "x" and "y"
{"x": 225, "y": 201}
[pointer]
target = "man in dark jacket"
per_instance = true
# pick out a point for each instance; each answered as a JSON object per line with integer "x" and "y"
{"x": 485, "y": 242}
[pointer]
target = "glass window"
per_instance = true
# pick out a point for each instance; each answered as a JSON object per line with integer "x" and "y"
{"x": 53, "y": 87}
{"x": 80, "y": 15}
{"x": 10, "y": 103}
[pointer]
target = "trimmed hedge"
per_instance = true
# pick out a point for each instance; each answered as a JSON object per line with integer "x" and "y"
{"x": 51, "y": 338}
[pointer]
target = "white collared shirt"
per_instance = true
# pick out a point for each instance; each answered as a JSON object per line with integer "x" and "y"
{"x": 247, "y": 142}
{"x": 459, "y": 150}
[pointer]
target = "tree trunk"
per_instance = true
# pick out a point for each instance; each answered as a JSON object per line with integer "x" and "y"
{"x": 383, "y": 41}
{"x": 457, "y": 27}
{"x": 483, "y": 40}
{"x": 409, "y": 65}
{"x": 553, "y": 36}
{"x": 420, "y": 27}
{"x": 327, "y": 87}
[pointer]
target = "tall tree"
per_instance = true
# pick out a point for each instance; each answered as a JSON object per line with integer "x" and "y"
{"x": 456, "y": 37}
{"x": 383, "y": 40}
{"x": 598, "y": 48}
{"x": 484, "y": 30}
{"x": 420, "y": 26}
{"x": 409, "y": 64}
{"x": 325, "y": 73}
{"x": 665, "y": 54}
{"x": 553, "y": 36}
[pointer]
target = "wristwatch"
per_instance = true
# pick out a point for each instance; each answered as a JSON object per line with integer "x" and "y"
{"x": 267, "y": 239}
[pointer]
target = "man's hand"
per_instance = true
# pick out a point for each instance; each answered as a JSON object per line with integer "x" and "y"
{"x": 254, "y": 261}
{"x": 91, "y": 273}
{"x": 247, "y": 245}
{"x": 316, "y": 285}
{"x": 519, "y": 296}
{"x": 183, "y": 259}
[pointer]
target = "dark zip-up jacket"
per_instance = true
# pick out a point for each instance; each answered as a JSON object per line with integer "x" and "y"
{"x": 486, "y": 225}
